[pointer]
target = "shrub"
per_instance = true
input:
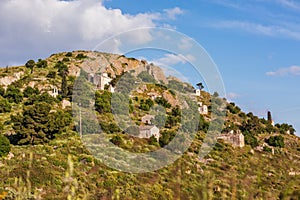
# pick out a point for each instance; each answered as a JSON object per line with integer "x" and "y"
{"x": 81, "y": 56}
{"x": 250, "y": 139}
{"x": 276, "y": 141}
{"x": 51, "y": 74}
{"x": 4, "y": 146}
{"x": 2, "y": 91}
{"x": 13, "y": 94}
{"x": 4, "y": 105}
{"x": 29, "y": 91}
{"x": 146, "y": 77}
{"x": 42, "y": 63}
{"x": 69, "y": 54}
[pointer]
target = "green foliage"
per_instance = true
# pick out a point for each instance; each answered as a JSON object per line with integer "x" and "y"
{"x": 120, "y": 104}
{"x": 30, "y": 65}
{"x": 159, "y": 120}
{"x": 13, "y": 94}
{"x": 146, "y": 77}
{"x": 163, "y": 102}
{"x": 42, "y": 63}
{"x": 44, "y": 97}
{"x": 250, "y": 139}
{"x": 284, "y": 128}
{"x": 116, "y": 140}
{"x": 267, "y": 149}
{"x": 66, "y": 59}
{"x": 133, "y": 130}
{"x": 4, "y": 105}
{"x": 233, "y": 108}
{"x": 63, "y": 71}
{"x": 109, "y": 128}
{"x": 276, "y": 141}
{"x": 69, "y": 54}
{"x": 36, "y": 125}
{"x": 102, "y": 102}
{"x": 29, "y": 91}
{"x": 180, "y": 87}
{"x": 146, "y": 105}
{"x": 2, "y": 91}
{"x": 203, "y": 125}
{"x": 81, "y": 56}
{"x": 4, "y": 146}
{"x": 166, "y": 137}
{"x": 51, "y": 74}
{"x": 153, "y": 141}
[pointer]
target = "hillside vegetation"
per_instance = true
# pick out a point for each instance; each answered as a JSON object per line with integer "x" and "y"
{"x": 43, "y": 154}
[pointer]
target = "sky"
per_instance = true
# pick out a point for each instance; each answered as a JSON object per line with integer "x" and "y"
{"x": 255, "y": 44}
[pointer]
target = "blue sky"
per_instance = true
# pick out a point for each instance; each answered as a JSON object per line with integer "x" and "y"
{"x": 255, "y": 44}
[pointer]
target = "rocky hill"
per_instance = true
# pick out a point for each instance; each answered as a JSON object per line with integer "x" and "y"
{"x": 52, "y": 110}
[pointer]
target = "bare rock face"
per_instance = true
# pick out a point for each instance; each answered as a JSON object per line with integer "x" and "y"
{"x": 7, "y": 80}
{"x": 115, "y": 64}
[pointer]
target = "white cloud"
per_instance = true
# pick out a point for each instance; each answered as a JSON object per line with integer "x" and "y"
{"x": 37, "y": 28}
{"x": 260, "y": 29}
{"x": 172, "y": 59}
{"x": 289, "y": 71}
{"x": 185, "y": 44}
{"x": 290, "y": 4}
{"x": 173, "y": 12}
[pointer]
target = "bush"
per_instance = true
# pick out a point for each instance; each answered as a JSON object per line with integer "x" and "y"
{"x": 42, "y": 63}
{"x": 146, "y": 77}
{"x": 4, "y": 146}
{"x": 51, "y": 74}
{"x": 29, "y": 91}
{"x": 2, "y": 91}
{"x": 13, "y": 94}
{"x": 81, "y": 56}
{"x": 69, "y": 54}
{"x": 250, "y": 139}
{"x": 276, "y": 141}
{"x": 4, "y": 106}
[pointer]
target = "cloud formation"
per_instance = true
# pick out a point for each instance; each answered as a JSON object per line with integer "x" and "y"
{"x": 259, "y": 29}
{"x": 289, "y": 71}
{"x": 31, "y": 28}
{"x": 172, "y": 59}
{"x": 173, "y": 12}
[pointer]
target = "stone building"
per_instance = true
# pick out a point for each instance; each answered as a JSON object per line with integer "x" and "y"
{"x": 148, "y": 131}
{"x": 53, "y": 91}
{"x": 147, "y": 119}
{"x": 198, "y": 92}
{"x": 236, "y": 138}
{"x": 203, "y": 109}
{"x": 100, "y": 80}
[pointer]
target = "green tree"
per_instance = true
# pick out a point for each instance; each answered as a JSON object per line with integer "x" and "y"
{"x": 29, "y": 91}
{"x": 42, "y": 63}
{"x": 4, "y": 146}
{"x": 102, "y": 102}
{"x": 159, "y": 120}
{"x": 200, "y": 86}
{"x": 146, "y": 77}
{"x": 2, "y": 91}
{"x": 30, "y": 65}
{"x": 276, "y": 141}
{"x": 35, "y": 124}
{"x": 13, "y": 94}
{"x": 4, "y": 105}
{"x": 63, "y": 71}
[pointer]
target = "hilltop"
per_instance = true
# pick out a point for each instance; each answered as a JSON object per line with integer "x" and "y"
{"x": 43, "y": 156}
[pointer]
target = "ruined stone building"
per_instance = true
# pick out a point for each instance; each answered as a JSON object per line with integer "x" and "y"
{"x": 100, "y": 80}
{"x": 148, "y": 131}
{"x": 236, "y": 138}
